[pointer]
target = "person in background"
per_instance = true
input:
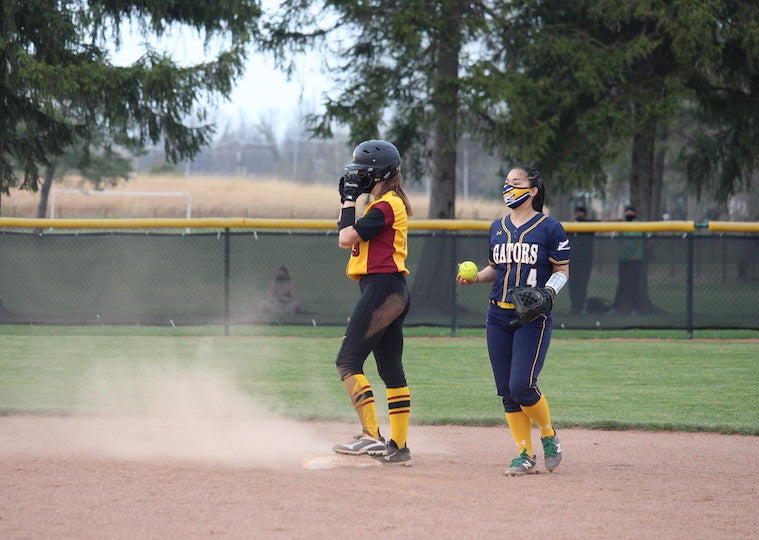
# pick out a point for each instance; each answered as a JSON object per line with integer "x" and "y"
{"x": 282, "y": 298}
{"x": 582, "y": 263}
{"x": 378, "y": 244}
{"x": 629, "y": 268}
{"x": 527, "y": 248}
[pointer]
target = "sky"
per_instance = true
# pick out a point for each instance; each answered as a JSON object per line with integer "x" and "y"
{"x": 263, "y": 88}
{"x": 262, "y": 91}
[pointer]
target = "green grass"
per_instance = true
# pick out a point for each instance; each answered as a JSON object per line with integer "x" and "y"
{"x": 331, "y": 331}
{"x": 657, "y": 384}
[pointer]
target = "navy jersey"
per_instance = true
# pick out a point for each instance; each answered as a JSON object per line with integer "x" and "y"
{"x": 524, "y": 256}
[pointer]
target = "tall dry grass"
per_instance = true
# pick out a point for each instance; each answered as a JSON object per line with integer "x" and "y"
{"x": 213, "y": 197}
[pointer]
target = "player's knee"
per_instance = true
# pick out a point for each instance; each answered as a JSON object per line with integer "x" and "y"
{"x": 522, "y": 394}
{"x": 509, "y": 405}
{"x": 347, "y": 367}
{"x": 394, "y": 381}
{"x": 392, "y": 374}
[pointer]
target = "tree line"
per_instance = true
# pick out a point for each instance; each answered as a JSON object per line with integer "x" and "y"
{"x": 665, "y": 90}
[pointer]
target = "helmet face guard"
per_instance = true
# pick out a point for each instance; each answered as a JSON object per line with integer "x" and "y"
{"x": 374, "y": 161}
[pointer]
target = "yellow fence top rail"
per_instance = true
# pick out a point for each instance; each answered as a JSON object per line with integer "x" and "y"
{"x": 169, "y": 223}
{"x": 734, "y": 226}
{"x": 329, "y": 224}
{"x": 622, "y": 226}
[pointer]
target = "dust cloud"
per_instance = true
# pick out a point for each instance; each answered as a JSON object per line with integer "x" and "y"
{"x": 192, "y": 414}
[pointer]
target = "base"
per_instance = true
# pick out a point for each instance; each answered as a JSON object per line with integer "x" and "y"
{"x": 339, "y": 460}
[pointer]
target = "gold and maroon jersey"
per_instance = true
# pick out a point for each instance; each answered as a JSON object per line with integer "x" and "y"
{"x": 384, "y": 239}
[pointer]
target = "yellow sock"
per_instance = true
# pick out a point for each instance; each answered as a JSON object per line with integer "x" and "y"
{"x": 362, "y": 397}
{"x": 521, "y": 429}
{"x": 541, "y": 415}
{"x": 399, "y": 409}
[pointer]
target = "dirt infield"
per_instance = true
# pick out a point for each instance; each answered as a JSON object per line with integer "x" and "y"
{"x": 68, "y": 477}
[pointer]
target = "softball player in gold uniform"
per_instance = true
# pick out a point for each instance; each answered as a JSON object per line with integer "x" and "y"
{"x": 378, "y": 244}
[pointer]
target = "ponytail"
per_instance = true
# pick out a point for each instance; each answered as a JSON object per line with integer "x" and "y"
{"x": 395, "y": 183}
{"x": 536, "y": 180}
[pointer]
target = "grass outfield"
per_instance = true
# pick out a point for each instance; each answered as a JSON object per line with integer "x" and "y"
{"x": 656, "y": 383}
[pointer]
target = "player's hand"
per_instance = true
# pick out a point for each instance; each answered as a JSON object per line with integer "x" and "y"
{"x": 352, "y": 187}
{"x": 461, "y": 281}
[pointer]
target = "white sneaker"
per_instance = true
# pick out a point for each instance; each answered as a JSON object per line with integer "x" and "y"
{"x": 362, "y": 444}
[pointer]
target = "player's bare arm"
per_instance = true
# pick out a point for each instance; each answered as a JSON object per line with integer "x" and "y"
{"x": 486, "y": 275}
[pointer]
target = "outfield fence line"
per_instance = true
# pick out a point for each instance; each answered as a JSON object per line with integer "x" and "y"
{"x": 219, "y": 271}
{"x": 327, "y": 224}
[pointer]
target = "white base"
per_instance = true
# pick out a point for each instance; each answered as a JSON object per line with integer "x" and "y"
{"x": 339, "y": 460}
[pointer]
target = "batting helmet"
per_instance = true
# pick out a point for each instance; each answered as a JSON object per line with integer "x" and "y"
{"x": 376, "y": 159}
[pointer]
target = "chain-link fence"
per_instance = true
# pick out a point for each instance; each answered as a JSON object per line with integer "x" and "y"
{"x": 233, "y": 277}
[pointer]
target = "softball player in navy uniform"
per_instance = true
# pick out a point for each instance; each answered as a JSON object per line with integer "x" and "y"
{"x": 527, "y": 248}
{"x": 378, "y": 244}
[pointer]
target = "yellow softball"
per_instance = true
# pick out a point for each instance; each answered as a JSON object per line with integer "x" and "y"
{"x": 468, "y": 270}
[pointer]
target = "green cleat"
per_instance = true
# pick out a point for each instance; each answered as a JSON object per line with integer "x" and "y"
{"x": 552, "y": 450}
{"x": 522, "y": 464}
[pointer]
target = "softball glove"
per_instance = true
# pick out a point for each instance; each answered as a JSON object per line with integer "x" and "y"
{"x": 530, "y": 303}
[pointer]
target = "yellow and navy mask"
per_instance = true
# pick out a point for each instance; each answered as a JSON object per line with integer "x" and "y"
{"x": 515, "y": 196}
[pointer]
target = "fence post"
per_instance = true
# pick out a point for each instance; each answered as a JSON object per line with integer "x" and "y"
{"x": 226, "y": 281}
{"x": 454, "y": 285}
{"x": 689, "y": 271}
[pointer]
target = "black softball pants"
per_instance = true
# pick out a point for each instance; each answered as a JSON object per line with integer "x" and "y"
{"x": 376, "y": 326}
